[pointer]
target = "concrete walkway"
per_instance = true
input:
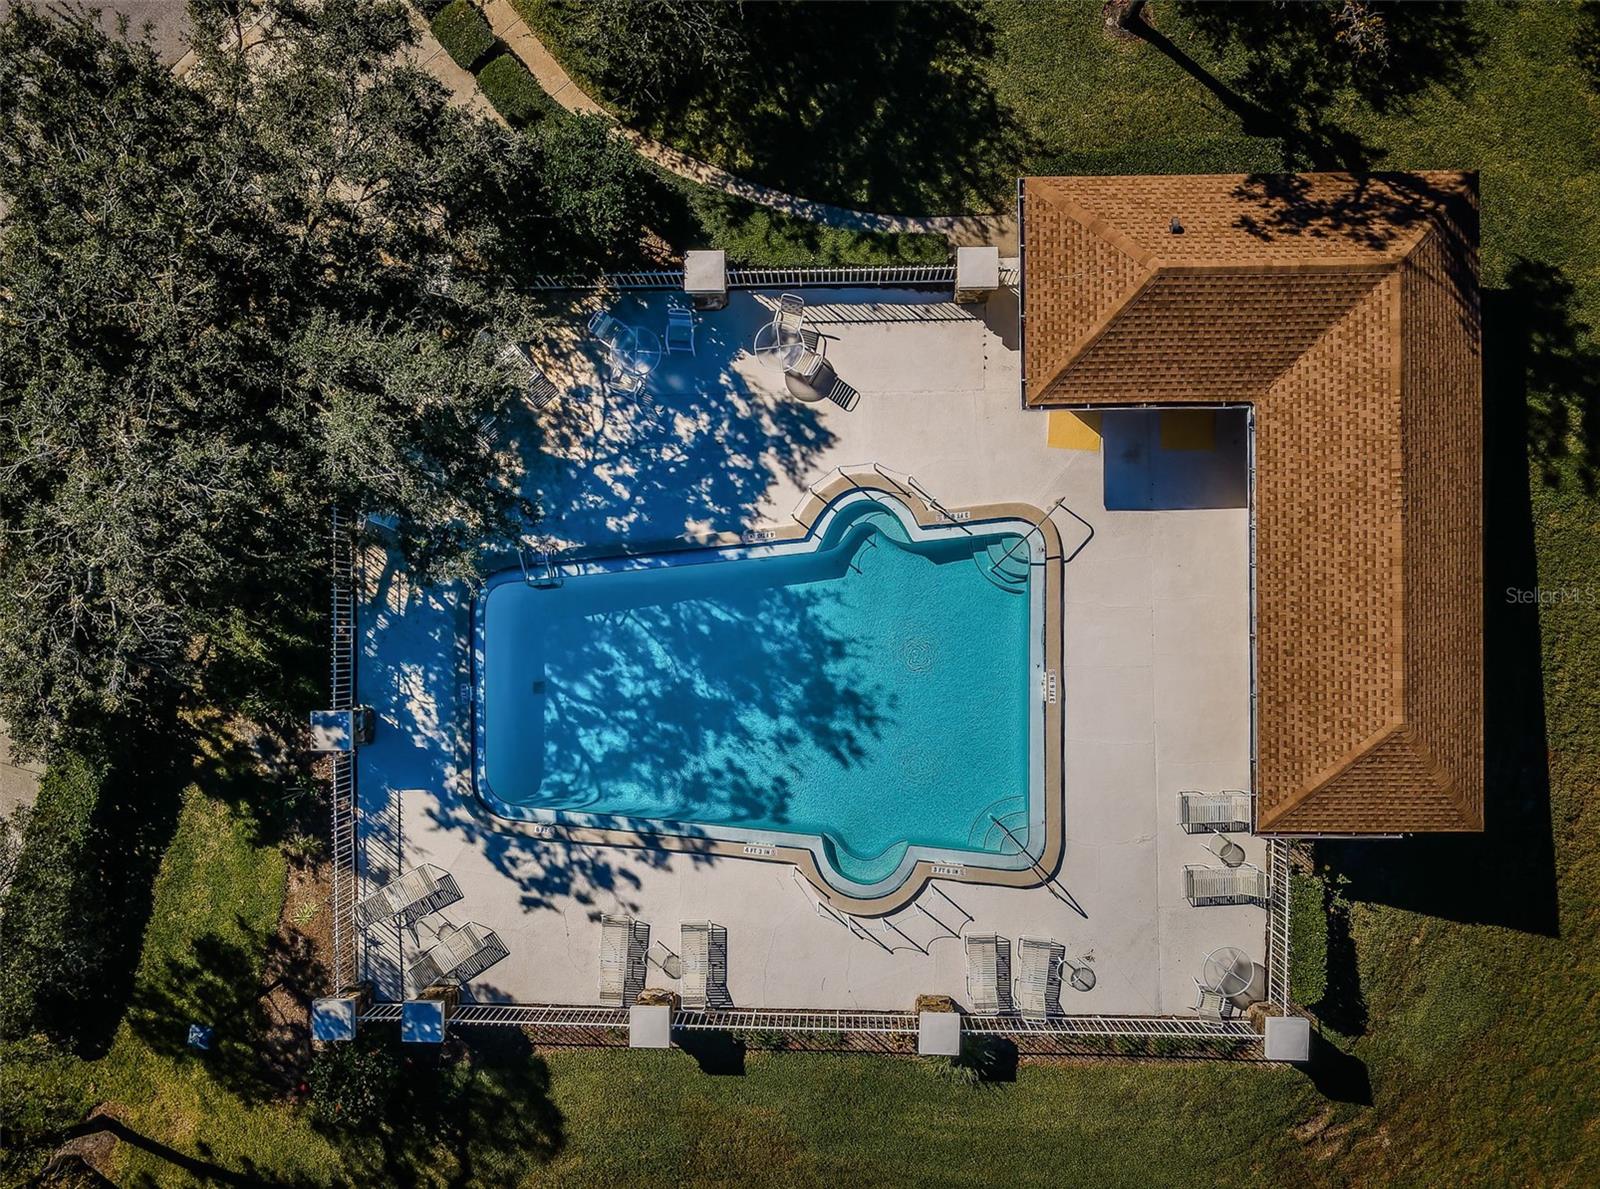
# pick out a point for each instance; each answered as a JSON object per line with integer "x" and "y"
{"x": 999, "y": 229}
{"x": 19, "y": 783}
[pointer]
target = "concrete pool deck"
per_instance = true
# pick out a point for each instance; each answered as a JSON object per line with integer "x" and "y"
{"x": 1155, "y": 673}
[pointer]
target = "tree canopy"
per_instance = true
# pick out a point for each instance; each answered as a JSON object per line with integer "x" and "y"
{"x": 220, "y": 316}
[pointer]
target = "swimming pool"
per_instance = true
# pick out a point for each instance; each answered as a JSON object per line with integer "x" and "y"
{"x": 870, "y": 693}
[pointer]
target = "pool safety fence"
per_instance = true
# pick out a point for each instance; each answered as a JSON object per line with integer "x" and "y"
{"x": 1278, "y": 924}
{"x": 663, "y": 279}
{"x": 344, "y": 968}
{"x": 875, "y": 1031}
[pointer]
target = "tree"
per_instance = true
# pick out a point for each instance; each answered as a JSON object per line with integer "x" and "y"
{"x": 592, "y": 187}
{"x": 645, "y": 50}
{"x": 216, "y": 321}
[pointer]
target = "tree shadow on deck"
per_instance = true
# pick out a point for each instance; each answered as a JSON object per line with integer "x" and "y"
{"x": 680, "y": 683}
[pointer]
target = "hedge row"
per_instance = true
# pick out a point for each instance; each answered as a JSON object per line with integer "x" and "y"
{"x": 463, "y": 32}
{"x": 515, "y": 93}
{"x": 54, "y": 942}
{"x": 1308, "y": 930}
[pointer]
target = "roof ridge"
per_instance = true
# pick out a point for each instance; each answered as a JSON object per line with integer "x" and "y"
{"x": 1097, "y": 225}
{"x": 1160, "y": 270}
{"x": 1380, "y": 274}
{"x": 1401, "y": 732}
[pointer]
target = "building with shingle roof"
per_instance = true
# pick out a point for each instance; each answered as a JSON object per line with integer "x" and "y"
{"x": 1343, "y": 310}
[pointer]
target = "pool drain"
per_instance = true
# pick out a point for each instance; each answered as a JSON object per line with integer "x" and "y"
{"x": 916, "y": 763}
{"x": 918, "y": 653}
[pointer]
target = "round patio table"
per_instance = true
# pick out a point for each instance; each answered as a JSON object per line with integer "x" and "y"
{"x": 802, "y": 389}
{"x": 1231, "y": 853}
{"x": 1082, "y": 978}
{"x": 637, "y": 349}
{"x": 777, "y": 346}
{"x": 1228, "y": 971}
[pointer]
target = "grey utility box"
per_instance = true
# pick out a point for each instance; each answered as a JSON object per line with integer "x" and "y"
{"x": 341, "y": 730}
{"x": 650, "y": 1026}
{"x": 939, "y": 1033}
{"x": 977, "y": 273}
{"x": 705, "y": 278}
{"x": 1288, "y": 1038}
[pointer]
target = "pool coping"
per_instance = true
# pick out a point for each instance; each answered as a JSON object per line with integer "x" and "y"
{"x": 927, "y": 514}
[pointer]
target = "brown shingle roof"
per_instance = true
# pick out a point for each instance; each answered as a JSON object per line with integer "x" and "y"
{"x": 1345, "y": 309}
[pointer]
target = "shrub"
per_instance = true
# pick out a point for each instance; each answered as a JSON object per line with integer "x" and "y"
{"x": 514, "y": 92}
{"x": 352, "y": 1083}
{"x": 53, "y": 940}
{"x": 1308, "y": 932}
{"x": 983, "y": 1059}
{"x": 430, "y": 8}
{"x": 41, "y": 1095}
{"x": 463, "y": 32}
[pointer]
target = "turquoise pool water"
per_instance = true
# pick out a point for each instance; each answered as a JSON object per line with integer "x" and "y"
{"x": 871, "y": 690}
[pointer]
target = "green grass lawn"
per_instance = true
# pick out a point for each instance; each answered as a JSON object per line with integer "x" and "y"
{"x": 610, "y": 1116}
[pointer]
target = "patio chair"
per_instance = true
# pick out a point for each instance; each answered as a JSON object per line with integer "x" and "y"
{"x": 1039, "y": 979}
{"x": 624, "y": 942}
{"x": 705, "y": 966}
{"x": 624, "y": 383}
{"x": 808, "y": 366}
{"x": 409, "y": 898}
{"x": 460, "y": 953}
{"x": 843, "y": 395}
{"x": 603, "y": 328}
{"x": 988, "y": 974}
{"x": 1218, "y": 813}
{"x": 680, "y": 326}
{"x": 1206, "y": 886}
{"x": 1213, "y": 1005}
{"x": 790, "y": 315}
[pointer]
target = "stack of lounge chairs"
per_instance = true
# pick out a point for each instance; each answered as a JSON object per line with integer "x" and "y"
{"x": 623, "y": 945}
{"x": 989, "y": 974}
{"x": 1038, "y": 988}
{"x": 705, "y": 965}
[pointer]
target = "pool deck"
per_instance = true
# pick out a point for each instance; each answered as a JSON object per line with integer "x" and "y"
{"x": 1155, "y": 676}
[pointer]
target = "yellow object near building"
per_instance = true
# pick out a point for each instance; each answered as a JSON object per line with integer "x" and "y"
{"x": 1073, "y": 431}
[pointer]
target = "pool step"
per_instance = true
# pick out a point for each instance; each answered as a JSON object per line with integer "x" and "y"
{"x": 1006, "y": 564}
{"x": 986, "y": 835}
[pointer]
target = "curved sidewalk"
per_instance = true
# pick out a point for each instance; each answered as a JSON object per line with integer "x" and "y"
{"x": 1000, "y": 229}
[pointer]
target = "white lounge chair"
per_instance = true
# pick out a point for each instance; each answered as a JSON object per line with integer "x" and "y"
{"x": 705, "y": 965}
{"x": 680, "y": 326}
{"x": 459, "y": 953}
{"x": 1219, "y": 813}
{"x": 1205, "y": 886}
{"x": 410, "y": 897}
{"x": 1039, "y": 976}
{"x": 624, "y": 942}
{"x": 988, "y": 974}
